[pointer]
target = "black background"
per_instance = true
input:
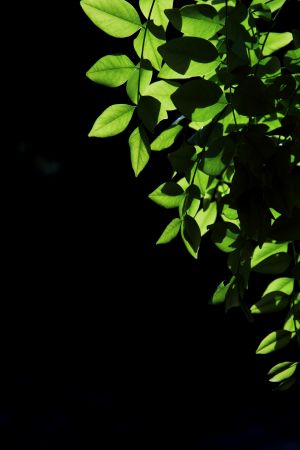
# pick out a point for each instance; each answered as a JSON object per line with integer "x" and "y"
{"x": 107, "y": 339}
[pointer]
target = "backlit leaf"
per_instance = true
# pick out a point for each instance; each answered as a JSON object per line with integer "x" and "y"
{"x": 170, "y": 231}
{"x": 168, "y": 195}
{"x": 199, "y": 100}
{"x": 111, "y": 70}
{"x": 282, "y": 371}
{"x": 166, "y": 138}
{"x": 196, "y": 20}
{"x": 274, "y": 341}
{"x": 112, "y": 121}
{"x": 117, "y": 18}
{"x": 158, "y": 11}
{"x": 275, "y": 41}
{"x": 139, "y": 149}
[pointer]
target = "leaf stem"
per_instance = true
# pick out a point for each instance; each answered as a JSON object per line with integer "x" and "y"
{"x": 143, "y": 47}
{"x": 261, "y": 56}
{"x": 227, "y": 63}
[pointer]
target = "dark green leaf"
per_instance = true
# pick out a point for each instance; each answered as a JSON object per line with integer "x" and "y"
{"x": 150, "y": 112}
{"x": 251, "y": 98}
{"x": 271, "y": 302}
{"x": 200, "y": 100}
{"x": 191, "y": 232}
{"x": 218, "y": 156}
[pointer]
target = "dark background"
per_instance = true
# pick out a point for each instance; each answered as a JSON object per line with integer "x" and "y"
{"x": 106, "y": 339}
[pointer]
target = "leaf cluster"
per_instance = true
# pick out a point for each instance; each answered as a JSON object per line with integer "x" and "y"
{"x": 225, "y": 95}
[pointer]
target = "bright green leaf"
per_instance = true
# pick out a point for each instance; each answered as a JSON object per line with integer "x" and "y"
{"x": 112, "y": 121}
{"x": 111, "y": 70}
{"x": 138, "y": 81}
{"x": 275, "y": 41}
{"x": 221, "y": 291}
{"x": 196, "y": 20}
{"x": 166, "y": 138}
{"x": 117, "y": 18}
{"x": 170, "y": 232}
{"x": 139, "y": 149}
{"x": 149, "y": 45}
{"x": 168, "y": 195}
{"x": 268, "y": 249}
{"x": 282, "y": 371}
{"x": 274, "y": 341}
{"x": 162, "y": 91}
{"x": 206, "y": 217}
{"x": 282, "y": 284}
{"x": 158, "y": 11}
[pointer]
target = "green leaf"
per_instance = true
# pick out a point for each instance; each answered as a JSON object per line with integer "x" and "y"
{"x": 140, "y": 77}
{"x": 292, "y": 60}
{"x": 178, "y": 53}
{"x": 220, "y": 293}
{"x": 195, "y": 69}
{"x": 162, "y": 91}
{"x": 158, "y": 11}
{"x": 232, "y": 299}
{"x": 225, "y": 236}
{"x": 271, "y": 302}
{"x": 275, "y": 41}
{"x": 282, "y": 284}
{"x": 168, "y": 195}
{"x": 139, "y": 149}
{"x": 275, "y": 264}
{"x": 251, "y": 98}
{"x": 166, "y": 138}
{"x": 268, "y": 249}
{"x": 196, "y": 20}
{"x": 149, "y": 44}
{"x": 202, "y": 181}
{"x": 292, "y": 321}
{"x": 273, "y": 5}
{"x": 170, "y": 232}
{"x": 285, "y": 228}
{"x": 112, "y": 121}
{"x": 181, "y": 159}
{"x": 191, "y": 235}
{"x": 151, "y": 112}
{"x": 117, "y": 18}
{"x": 274, "y": 341}
{"x": 200, "y": 100}
{"x": 111, "y": 70}
{"x": 218, "y": 156}
{"x": 206, "y": 217}
{"x": 282, "y": 371}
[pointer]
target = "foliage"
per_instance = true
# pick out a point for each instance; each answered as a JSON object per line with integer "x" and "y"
{"x": 221, "y": 92}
